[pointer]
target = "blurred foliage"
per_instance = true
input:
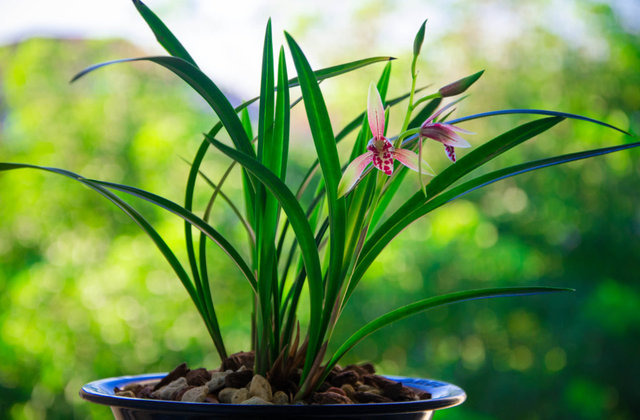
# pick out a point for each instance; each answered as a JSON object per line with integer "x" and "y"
{"x": 85, "y": 295}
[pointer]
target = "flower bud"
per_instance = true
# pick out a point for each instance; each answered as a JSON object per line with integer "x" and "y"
{"x": 417, "y": 42}
{"x": 456, "y": 88}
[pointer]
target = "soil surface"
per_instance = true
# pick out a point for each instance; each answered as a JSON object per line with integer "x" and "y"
{"x": 235, "y": 383}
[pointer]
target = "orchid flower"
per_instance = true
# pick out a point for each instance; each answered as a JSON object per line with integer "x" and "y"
{"x": 446, "y": 134}
{"x": 380, "y": 150}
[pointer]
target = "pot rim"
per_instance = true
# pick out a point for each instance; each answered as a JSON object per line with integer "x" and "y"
{"x": 445, "y": 395}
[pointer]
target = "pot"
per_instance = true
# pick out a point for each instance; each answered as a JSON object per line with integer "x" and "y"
{"x": 444, "y": 395}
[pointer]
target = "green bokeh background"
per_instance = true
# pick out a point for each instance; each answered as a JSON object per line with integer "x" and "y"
{"x": 84, "y": 294}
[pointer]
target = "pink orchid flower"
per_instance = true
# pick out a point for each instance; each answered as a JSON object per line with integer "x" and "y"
{"x": 446, "y": 134}
{"x": 380, "y": 150}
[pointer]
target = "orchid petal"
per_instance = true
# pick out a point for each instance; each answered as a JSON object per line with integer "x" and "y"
{"x": 375, "y": 112}
{"x": 444, "y": 134}
{"x": 450, "y": 152}
{"x": 459, "y": 130}
{"x": 410, "y": 160}
{"x": 437, "y": 114}
{"x": 353, "y": 172}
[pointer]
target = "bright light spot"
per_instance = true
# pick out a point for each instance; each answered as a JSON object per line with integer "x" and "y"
{"x": 515, "y": 200}
{"x": 486, "y": 235}
{"x": 448, "y": 350}
{"x": 473, "y": 352}
{"x": 522, "y": 358}
{"x": 555, "y": 359}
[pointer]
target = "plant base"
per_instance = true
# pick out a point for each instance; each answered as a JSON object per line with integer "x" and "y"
{"x": 444, "y": 395}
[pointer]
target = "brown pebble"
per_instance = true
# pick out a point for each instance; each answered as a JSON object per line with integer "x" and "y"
{"x": 324, "y": 387}
{"x": 169, "y": 391}
{"x": 325, "y": 398}
{"x": 127, "y": 394}
{"x": 135, "y": 388}
{"x": 424, "y": 395}
{"x": 241, "y": 395}
{"x": 238, "y": 379}
{"x": 197, "y": 394}
{"x": 392, "y": 391}
{"x": 407, "y": 394}
{"x": 368, "y": 397}
{"x": 377, "y": 381}
{"x": 368, "y": 367}
{"x": 280, "y": 398}
{"x": 237, "y": 360}
{"x": 179, "y": 394}
{"x": 361, "y": 370}
{"x": 336, "y": 370}
{"x": 261, "y": 388}
{"x": 369, "y": 388}
{"x": 225, "y": 395}
{"x": 179, "y": 372}
{"x": 347, "y": 377}
{"x": 145, "y": 392}
{"x": 198, "y": 377}
{"x": 337, "y": 391}
{"x": 211, "y": 399}
{"x": 348, "y": 390}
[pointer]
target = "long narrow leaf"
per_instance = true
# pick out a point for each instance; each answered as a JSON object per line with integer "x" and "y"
{"x": 495, "y": 176}
{"x": 536, "y": 112}
{"x": 476, "y": 183}
{"x": 269, "y": 153}
{"x": 214, "y": 330}
{"x": 164, "y": 36}
{"x": 299, "y": 224}
{"x": 197, "y": 222}
{"x": 324, "y": 140}
{"x": 466, "y": 164}
{"x": 431, "y": 303}
{"x": 205, "y": 87}
{"x": 342, "y": 68}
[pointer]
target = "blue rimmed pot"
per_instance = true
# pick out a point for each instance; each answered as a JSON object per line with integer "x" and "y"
{"x": 444, "y": 395}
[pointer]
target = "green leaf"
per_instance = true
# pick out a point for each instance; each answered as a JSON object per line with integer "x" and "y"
{"x": 476, "y": 158}
{"x": 197, "y": 222}
{"x": 299, "y": 224}
{"x": 535, "y": 112}
{"x": 205, "y": 87}
{"x": 333, "y": 71}
{"x": 430, "y": 303}
{"x": 226, "y": 198}
{"x": 269, "y": 153}
{"x": 495, "y": 176}
{"x": 324, "y": 140}
{"x": 211, "y": 324}
{"x": 164, "y": 36}
{"x": 281, "y": 131}
{"x": 488, "y": 151}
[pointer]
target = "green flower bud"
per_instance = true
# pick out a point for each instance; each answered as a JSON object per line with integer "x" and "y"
{"x": 417, "y": 43}
{"x": 456, "y": 88}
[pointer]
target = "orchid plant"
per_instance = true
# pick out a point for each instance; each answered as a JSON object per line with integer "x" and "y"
{"x": 329, "y": 251}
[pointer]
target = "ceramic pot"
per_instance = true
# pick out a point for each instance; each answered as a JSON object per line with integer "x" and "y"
{"x": 101, "y": 392}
